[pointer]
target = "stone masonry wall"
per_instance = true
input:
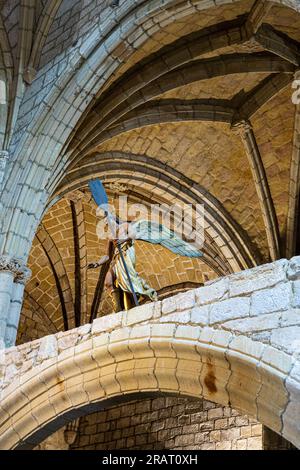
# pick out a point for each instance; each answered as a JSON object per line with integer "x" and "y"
{"x": 168, "y": 423}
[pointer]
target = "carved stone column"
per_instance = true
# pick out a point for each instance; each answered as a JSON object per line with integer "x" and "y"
{"x": 13, "y": 277}
{"x": 3, "y": 161}
{"x": 244, "y": 129}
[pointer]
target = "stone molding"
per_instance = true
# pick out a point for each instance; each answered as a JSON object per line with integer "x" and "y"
{"x": 20, "y": 271}
{"x": 242, "y": 127}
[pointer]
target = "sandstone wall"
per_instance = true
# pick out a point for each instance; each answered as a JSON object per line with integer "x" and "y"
{"x": 169, "y": 423}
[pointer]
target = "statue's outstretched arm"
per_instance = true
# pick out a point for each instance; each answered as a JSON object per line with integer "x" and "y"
{"x": 104, "y": 259}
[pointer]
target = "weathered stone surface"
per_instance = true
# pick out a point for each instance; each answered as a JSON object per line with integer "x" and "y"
{"x": 48, "y": 348}
{"x": 67, "y": 340}
{"x": 296, "y": 294}
{"x": 258, "y": 278}
{"x": 259, "y": 323}
{"x": 271, "y": 300}
{"x": 178, "y": 302}
{"x": 218, "y": 290}
{"x": 139, "y": 314}
{"x": 200, "y": 315}
{"x": 107, "y": 323}
{"x": 237, "y": 307}
{"x": 293, "y": 271}
{"x": 287, "y": 338}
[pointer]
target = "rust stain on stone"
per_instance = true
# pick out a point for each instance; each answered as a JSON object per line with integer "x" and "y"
{"x": 210, "y": 379}
{"x": 60, "y": 382}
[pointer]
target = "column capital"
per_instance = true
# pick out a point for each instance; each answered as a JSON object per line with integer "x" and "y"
{"x": 15, "y": 266}
{"x": 241, "y": 127}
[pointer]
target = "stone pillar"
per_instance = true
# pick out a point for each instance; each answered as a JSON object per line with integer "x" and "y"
{"x": 244, "y": 129}
{"x": 6, "y": 289}
{"x": 3, "y": 161}
{"x": 13, "y": 277}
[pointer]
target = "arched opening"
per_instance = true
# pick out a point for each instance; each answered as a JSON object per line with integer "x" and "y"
{"x": 107, "y": 368}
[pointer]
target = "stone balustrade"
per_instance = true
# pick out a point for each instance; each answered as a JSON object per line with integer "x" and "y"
{"x": 234, "y": 341}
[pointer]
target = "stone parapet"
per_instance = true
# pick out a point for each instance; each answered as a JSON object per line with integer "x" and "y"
{"x": 236, "y": 340}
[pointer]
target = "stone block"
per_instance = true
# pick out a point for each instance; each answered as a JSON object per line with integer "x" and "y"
{"x": 184, "y": 440}
{"x": 216, "y": 291}
{"x": 200, "y": 315}
{"x": 287, "y": 338}
{"x": 230, "y": 434}
{"x": 251, "y": 324}
{"x": 168, "y": 305}
{"x": 246, "y": 346}
{"x": 296, "y": 294}
{"x": 177, "y": 317}
{"x": 223, "y": 446}
{"x": 254, "y": 443}
{"x": 278, "y": 359}
{"x": 261, "y": 277}
{"x": 139, "y": 314}
{"x": 187, "y": 332}
{"x": 221, "y": 423}
{"x": 256, "y": 430}
{"x": 48, "y": 348}
{"x": 229, "y": 309}
{"x": 271, "y": 300}
{"x": 293, "y": 271}
{"x": 107, "y": 323}
{"x": 241, "y": 444}
{"x": 215, "y": 413}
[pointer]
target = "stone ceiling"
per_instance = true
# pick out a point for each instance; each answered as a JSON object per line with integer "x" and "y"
{"x": 174, "y": 107}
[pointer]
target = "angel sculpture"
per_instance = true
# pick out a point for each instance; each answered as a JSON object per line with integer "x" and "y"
{"x": 118, "y": 265}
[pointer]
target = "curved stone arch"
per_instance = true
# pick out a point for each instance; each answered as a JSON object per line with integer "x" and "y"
{"x": 231, "y": 242}
{"x": 40, "y": 312}
{"x": 202, "y": 110}
{"x": 213, "y": 110}
{"x": 43, "y": 27}
{"x": 62, "y": 280}
{"x": 151, "y": 358}
{"x": 169, "y": 58}
{"x": 88, "y": 67}
{"x": 197, "y": 70}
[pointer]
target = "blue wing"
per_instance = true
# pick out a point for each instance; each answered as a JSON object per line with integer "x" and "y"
{"x": 159, "y": 234}
{"x": 98, "y": 192}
